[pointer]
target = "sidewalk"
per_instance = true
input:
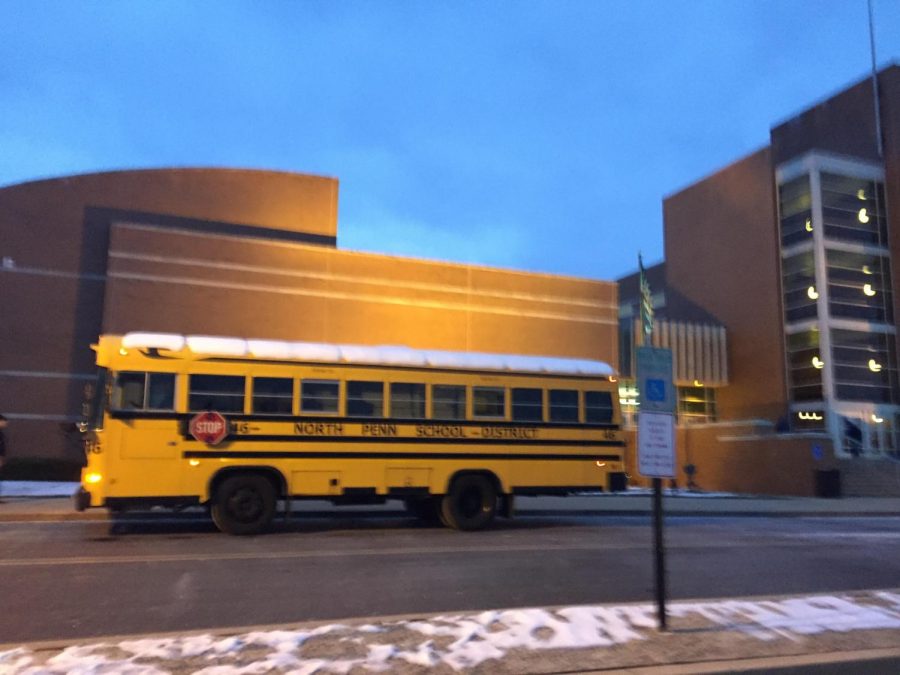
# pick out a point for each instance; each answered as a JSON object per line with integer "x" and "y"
{"x": 31, "y": 502}
{"x": 847, "y": 632}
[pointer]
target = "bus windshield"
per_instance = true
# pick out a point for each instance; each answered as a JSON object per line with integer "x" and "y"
{"x": 95, "y": 400}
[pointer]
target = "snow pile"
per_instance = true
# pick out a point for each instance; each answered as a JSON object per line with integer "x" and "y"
{"x": 36, "y": 488}
{"x": 456, "y": 642}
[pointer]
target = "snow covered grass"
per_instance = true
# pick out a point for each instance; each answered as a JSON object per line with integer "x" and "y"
{"x": 456, "y": 643}
{"x": 36, "y": 488}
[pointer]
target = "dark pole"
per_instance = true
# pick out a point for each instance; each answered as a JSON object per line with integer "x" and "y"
{"x": 660, "y": 553}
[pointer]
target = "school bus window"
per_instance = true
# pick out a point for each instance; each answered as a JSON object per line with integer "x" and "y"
{"x": 273, "y": 395}
{"x": 448, "y": 402}
{"x": 527, "y": 405}
{"x": 407, "y": 400}
{"x": 160, "y": 391}
{"x": 488, "y": 402}
{"x": 222, "y": 393}
{"x": 128, "y": 392}
{"x": 144, "y": 391}
{"x": 598, "y": 407}
{"x": 319, "y": 396}
{"x": 365, "y": 399}
{"x": 563, "y": 405}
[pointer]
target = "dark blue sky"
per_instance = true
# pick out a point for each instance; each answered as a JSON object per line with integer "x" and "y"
{"x": 534, "y": 135}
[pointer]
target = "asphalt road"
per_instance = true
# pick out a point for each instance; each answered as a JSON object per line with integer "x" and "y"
{"x": 63, "y": 580}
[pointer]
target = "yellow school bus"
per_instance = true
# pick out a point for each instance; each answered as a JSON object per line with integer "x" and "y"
{"x": 242, "y": 426}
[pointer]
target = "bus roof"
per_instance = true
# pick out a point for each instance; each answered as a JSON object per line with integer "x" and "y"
{"x": 364, "y": 355}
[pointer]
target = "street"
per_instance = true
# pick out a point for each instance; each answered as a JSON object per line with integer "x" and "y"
{"x": 66, "y": 580}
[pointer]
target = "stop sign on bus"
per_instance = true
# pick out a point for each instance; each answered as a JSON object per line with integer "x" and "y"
{"x": 209, "y": 427}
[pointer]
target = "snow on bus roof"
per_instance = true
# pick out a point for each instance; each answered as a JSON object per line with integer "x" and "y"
{"x": 394, "y": 355}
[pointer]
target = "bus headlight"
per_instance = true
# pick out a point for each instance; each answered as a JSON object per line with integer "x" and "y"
{"x": 93, "y": 477}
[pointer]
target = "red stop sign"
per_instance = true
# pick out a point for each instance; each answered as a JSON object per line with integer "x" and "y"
{"x": 209, "y": 427}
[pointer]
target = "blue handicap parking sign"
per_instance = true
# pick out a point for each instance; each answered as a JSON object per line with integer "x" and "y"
{"x": 656, "y": 390}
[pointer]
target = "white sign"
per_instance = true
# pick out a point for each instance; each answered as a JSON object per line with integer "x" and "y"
{"x": 656, "y": 445}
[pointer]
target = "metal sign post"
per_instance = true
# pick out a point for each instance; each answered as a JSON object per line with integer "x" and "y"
{"x": 656, "y": 447}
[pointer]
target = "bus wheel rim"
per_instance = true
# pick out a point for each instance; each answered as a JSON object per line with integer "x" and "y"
{"x": 246, "y": 505}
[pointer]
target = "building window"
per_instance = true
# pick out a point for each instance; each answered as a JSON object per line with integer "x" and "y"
{"x": 488, "y": 402}
{"x": 853, "y": 209}
{"x": 696, "y": 405}
{"x": 273, "y": 395}
{"x": 864, "y": 366}
{"x": 805, "y": 364}
{"x": 365, "y": 399}
{"x": 859, "y": 286}
{"x": 222, "y": 393}
{"x": 527, "y": 405}
{"x": 407, "y": 400}
{"x": 319, "y": 396}
{"x": 448, "y": 402}
{"x": 795, "y": 202}
{"x": 799, "y": 287}
{"x": 808, "y": 420}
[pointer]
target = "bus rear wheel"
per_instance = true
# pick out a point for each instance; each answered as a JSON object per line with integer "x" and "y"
{"x": 471, "y": 503}
{"x": 244, "y": 504}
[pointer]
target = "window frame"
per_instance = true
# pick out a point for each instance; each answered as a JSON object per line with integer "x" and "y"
{"x": 243, "y": 394}
{"x": 145, "y": 391}
{"x": 253, "y": 395}
{"x": 465, "y": 402}
{"x": 319, "y": 380}
{"x": 502, "y": 389}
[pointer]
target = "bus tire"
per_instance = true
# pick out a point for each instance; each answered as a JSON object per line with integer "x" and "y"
{"x": 244, "y": 504}
{"x": 471, "y": 503}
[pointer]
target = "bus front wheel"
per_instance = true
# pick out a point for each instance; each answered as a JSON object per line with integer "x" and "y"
{"x": 471, "y": 503}
{"x": 244, "y": 504}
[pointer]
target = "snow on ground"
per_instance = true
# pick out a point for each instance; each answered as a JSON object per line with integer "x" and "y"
{"x": 36, "y": 488}
{"x": 459, "y": 642}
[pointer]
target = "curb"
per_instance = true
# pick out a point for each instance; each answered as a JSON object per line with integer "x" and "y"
{"x": 887, "y": 659}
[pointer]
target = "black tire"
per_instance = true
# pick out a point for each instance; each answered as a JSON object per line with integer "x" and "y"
{"x": 426, "y": 509}
{"x": 471, "y": 503}
{"x": 244, "y": 504}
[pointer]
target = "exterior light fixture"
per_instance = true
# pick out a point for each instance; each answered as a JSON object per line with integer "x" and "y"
{"x": 861, "y": 194}
{"x": 194, "y": 462}
{"x": 698, "y": 383}
{"x": 812, "y": 293}
{"x": 93, "y": 478}
{"x": 817, "y": 362}
{"x": 612, "y": 379}
{"x": 874, "y": 366}
{"x": 863, "y": 216}
{"x": 868, "y": 290}
{"x": 809, "y": 224}
{"x": 810, "y": 416}
{"x": 866, "y": 269}
{"x": 877, "y": 419}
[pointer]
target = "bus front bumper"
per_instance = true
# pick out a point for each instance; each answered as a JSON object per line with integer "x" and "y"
{"x": 82, "y": 499}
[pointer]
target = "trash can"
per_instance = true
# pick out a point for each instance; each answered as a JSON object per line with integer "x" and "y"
{"x": 828, "y": 483}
